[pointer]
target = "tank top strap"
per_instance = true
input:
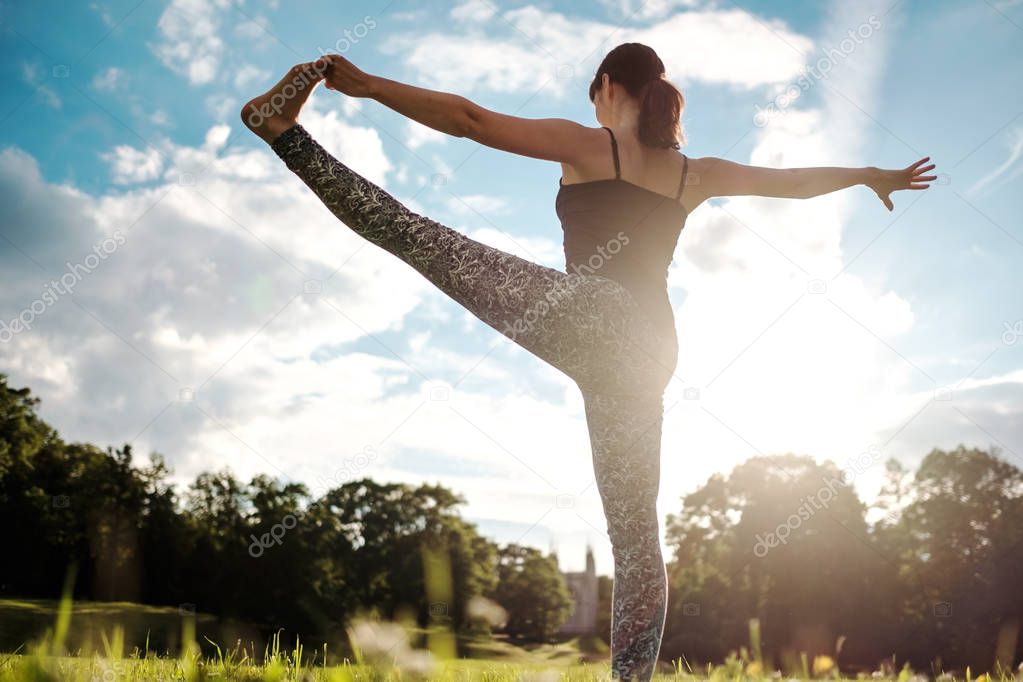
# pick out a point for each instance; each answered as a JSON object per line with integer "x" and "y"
{"x": 614, "y": 151}
{"x": 682, "y": 180}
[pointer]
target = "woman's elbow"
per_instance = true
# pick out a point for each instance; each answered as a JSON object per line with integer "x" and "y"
{"x": 469, "y": 121}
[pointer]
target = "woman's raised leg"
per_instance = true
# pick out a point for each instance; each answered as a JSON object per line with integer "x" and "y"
{"x": 577, "y": 323}
{"x": 553, "y": 315}
{"x": 548, "y": 312}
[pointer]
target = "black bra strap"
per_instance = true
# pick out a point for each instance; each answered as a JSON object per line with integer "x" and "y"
{"x": 682, "y": 181}
{"x": 614, "y": 150}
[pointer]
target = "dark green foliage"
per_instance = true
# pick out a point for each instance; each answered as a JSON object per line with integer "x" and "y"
{"x": 785, "y": 540}
{"x": 533, "y": 591}
{"x": 263, "y": 552}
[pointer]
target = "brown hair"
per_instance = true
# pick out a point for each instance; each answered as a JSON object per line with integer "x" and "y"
{"x": 640, "y": 71}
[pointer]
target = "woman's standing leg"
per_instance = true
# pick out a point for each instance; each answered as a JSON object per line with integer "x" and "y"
{"x": 625, "y": 437}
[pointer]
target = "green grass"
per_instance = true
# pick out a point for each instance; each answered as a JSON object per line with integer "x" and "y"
{"x": 29, "y": 619}
{"x": 284, "y": 667}
{"x": 379, "y": 651}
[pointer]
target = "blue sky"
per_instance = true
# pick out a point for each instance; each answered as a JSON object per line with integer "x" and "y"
{"x": 226, "y": 319}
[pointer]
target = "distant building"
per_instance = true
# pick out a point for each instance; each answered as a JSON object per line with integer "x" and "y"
{"x": 583, "y": 587}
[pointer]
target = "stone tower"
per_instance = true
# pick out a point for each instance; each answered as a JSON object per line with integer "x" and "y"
{"x": 583, "y": 587}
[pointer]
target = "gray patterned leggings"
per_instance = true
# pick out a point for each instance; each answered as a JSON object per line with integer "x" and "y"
{"x": 586, "y": 325}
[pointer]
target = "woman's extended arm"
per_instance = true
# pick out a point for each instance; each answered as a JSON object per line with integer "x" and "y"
{"x": 553, "y": 139}
{"x": 720, "y": 177}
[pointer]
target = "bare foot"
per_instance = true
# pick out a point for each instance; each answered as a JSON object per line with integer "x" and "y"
{"x": 277, "y": 109}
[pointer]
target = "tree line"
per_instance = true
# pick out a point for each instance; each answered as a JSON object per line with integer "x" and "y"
{"x": 929, "y": 573}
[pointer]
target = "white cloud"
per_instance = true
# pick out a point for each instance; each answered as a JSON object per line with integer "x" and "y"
{"x": 33, "y": 75}
{"x": 531, "y": 47}
{"x": 204, "y": 266}
{"x": 129, "y": 165}
{"x": 410, "y": 15}
{"x": 190, "y": 43}
{"x": 467, "y": 62}
{"x": 729, "y": 47}
{"x": 350, "y": 106}
{"x": 252, "y": 29}
{"x": 216, "y": 137}
{"x": 159, "y": 117}
{"x": 104, "y": 13}
{"x": 1007, "y": 170}
{"x": 646, "y": 9}
{"x": 357, "y": 146}
{"x": 540, "y": 250}
{"x": 248, "y": 75}
{"x": 473, "y": 11}
{"x": 222, "y": 107}
{"x": 416, "y": 134}
{"x": 477, "y": 204}
{"x": 109, "y": 80}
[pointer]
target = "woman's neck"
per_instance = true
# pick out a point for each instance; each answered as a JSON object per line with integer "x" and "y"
{"x": 626, "y": 118}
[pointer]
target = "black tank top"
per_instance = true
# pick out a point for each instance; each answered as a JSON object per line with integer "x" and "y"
{"x": 626, "y": 232}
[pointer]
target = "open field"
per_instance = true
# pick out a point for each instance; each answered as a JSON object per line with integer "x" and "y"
{"x": 285, "y": 667}
{"x": 93, "y": 642}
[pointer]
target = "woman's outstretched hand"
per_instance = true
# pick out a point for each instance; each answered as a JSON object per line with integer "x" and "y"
{"x": 884, "y": 182}
{"x": 346, "y": 77}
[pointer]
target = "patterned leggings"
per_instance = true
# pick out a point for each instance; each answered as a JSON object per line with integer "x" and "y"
{"x": 586, "y": 325}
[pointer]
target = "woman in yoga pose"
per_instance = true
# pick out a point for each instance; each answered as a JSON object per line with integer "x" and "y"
{"x": 623, "y": 199}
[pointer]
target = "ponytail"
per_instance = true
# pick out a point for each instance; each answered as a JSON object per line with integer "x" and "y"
{"x": 661, "y": 107}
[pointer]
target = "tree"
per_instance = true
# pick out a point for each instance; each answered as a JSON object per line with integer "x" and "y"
{"x": 533, "y": 591}
{"x": 377, "y": 531}
{"x": 782, "y": 539}
{"x": 958, "y": 541}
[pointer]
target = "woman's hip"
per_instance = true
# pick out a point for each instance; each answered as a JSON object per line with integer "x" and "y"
{"x": 628, "y": 350}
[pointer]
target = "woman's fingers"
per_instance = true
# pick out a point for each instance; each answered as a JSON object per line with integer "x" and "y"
{"x": 885, "y": 199}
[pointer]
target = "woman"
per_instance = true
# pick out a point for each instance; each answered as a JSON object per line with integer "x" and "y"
{"x": 624, "y": 197}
